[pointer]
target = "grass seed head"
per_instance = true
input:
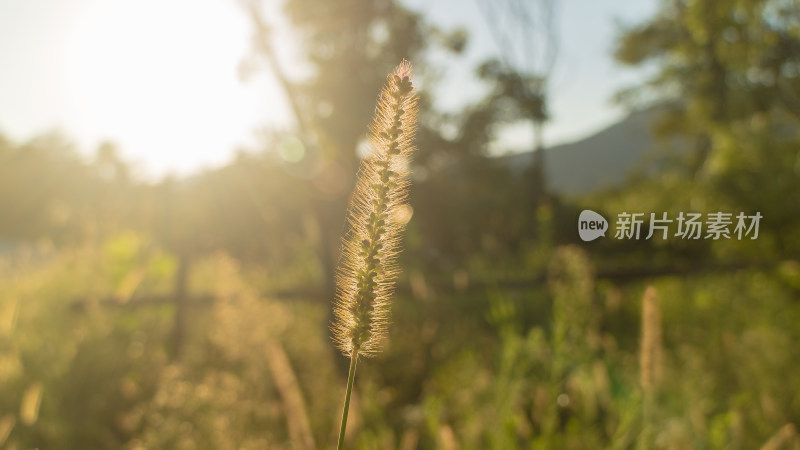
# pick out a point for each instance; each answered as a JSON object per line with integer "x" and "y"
{"x": 650, "y": 353}
{"x": 368, "y": 270}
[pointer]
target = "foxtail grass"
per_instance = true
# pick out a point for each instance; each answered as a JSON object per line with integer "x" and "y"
{"x": 650, "y": 352}
{"x": 650, "y": 360}
{"x": 368, "y": 270}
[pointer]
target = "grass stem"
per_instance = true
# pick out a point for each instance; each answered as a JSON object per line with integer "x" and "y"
{"x": 350, "y": 377}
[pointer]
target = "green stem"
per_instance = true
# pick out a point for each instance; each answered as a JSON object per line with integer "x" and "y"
{"x": 350, "y": 377}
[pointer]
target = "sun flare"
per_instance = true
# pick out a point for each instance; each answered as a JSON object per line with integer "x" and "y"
{"x": 161, "y": 79}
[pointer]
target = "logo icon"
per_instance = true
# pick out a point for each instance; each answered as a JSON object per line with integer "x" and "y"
{"x": 591, "y": 225}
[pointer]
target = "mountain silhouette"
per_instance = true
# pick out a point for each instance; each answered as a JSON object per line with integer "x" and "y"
{"x": 602, "y": 160}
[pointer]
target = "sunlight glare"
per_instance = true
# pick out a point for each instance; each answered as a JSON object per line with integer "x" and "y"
{"x": 161, "y": 79}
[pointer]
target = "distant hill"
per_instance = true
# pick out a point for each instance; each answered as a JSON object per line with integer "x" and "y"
{"x": 601, "y": 160}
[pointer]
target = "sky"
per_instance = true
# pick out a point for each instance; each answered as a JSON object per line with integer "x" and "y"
{"x": 174, "y": 100}
{"x": 584, "y": 77}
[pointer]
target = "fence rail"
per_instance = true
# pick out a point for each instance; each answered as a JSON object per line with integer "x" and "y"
{"x": 442, "y": 288}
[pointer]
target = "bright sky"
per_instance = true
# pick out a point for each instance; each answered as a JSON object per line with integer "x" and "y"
{"x": 584, "y": 77}
{"x": 165, "y": 85}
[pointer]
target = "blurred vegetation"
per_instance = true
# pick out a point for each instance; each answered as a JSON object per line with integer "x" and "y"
{"x": 193, "y": 313}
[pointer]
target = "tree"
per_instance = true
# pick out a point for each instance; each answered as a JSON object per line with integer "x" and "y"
{"x": 729, "y": 75}
{"x": 349, "y": 46}
{"x": 526, "y": 35}
{"x": 718, "y": 62}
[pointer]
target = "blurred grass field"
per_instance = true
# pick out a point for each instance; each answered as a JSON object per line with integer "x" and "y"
{"x": 194, "y": 311}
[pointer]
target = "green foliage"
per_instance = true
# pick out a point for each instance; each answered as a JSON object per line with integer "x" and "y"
{"x": 505, "y": 333}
